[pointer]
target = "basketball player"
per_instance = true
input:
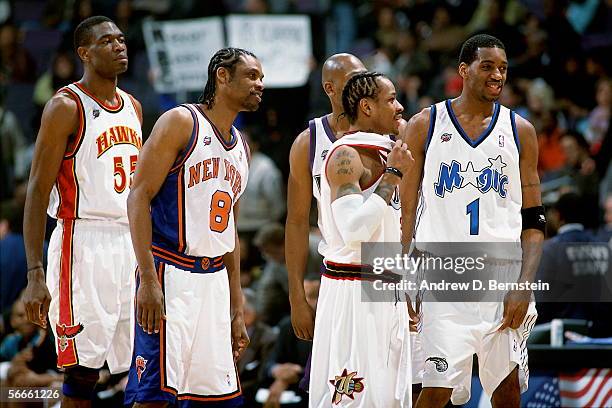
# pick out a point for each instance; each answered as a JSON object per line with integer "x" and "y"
{"x": 361, "y": 349}
{"x": 85, "y": 155}
{"x": 305, "y": 160}
{"x": 476, "y": 167}
{"x": 182, "y": 211}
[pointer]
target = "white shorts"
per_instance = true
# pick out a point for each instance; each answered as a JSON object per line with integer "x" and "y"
{"x": 190, "y": 360}
{"x": 417, "y": 357}
{"x": 361, "y": 349}
{"x": 454, "y": 332}
{"x": 90, "y": 276}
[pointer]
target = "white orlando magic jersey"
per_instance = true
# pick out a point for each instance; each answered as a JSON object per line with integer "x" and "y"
{"x": 390, "y": 228}
{"x": 193, "y": 212}
{"x": 471, "y": 189}
{"x": 95, "y": 175}
{"x": 321, "y": 139}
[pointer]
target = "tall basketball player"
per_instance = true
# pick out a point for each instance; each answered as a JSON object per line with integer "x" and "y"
{"x": 305, "y": 160}
{"x": 361, "y": 349}
{"x": 85, "y": 155}
{"x": 182, "y": 210}
{"x": 476, "y": 167}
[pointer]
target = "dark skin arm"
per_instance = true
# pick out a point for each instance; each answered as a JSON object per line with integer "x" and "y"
{"x": 240, "y": 338}
{"x": 59, "y": 122}
{"x": 414, "y": 135}
{"x": 169, "y": 137}
{"x": 516, "y": 303}
{"x": 299, "y": 197}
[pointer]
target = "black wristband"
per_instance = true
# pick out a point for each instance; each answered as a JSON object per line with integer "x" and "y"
{"x": 394, "y": 171}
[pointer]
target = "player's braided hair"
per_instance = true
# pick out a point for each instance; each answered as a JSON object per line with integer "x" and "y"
{"x": 226, "y": 58}
{"x": 359, "y": 86}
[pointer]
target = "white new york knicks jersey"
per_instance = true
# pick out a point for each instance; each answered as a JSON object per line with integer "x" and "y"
{"x": 321, "y": 139}
{"x": 95, "y": 175}
{"x": 390, "y": 228}
{"x": 193, "y": 211}
{"x": 471, "y": 189}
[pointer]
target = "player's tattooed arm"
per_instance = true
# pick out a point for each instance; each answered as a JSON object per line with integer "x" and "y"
{"x": 386, "y": 187}
{"x": 344, "y": 169}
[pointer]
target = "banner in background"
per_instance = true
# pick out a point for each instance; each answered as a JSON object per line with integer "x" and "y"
{"x": 179, "y": 51}
{"x": 282, "y": 43}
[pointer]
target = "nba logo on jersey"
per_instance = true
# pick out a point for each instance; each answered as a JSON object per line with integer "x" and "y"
{"x": 206, "y": 140}
{"x": 501, "y": 140}
{"x": 446, "y": 137}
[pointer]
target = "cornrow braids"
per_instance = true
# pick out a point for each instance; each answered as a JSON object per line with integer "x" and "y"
{"x": 224, "y": 58}
{"x": 359, "y": 86}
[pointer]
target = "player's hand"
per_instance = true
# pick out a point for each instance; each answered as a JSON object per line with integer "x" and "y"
{"x": 240, "y": 338}
{"x": 414, "y": 313}
{"x": 302, "y": 319}
{"x": 400, "y": 157}
{"x": 37, "y": 298}
{"x": 516, "y": 303}
{"x": 150, "y": 305}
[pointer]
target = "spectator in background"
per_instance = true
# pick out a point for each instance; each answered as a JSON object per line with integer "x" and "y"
{"x": 577, "y": 266}
{"x": 63, "y": 71}
{"x": 263, "y": 200}
{"x": 273, "y": 285}
{"x": 13, "y": 264}
{"x": 290, "y": 354}
{"x": 14, "y": 57}
{"x": 604, "y": 233}
{"x": 252, "y": 363}
{"x": 13, "y": 146}
{"x": 25, "y": 334}
{"x": 599, "y": 118}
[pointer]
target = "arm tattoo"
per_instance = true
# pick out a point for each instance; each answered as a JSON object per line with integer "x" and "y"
{"x": 344, "y": 162}
{"x": 347, "y": 189}
{"x": 385, "y": 190}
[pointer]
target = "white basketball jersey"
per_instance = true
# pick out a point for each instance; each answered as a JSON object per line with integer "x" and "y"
{"x": 321, "y": 139}
{"x": 95, "y": 175}
{"x": 193, "y": 211}
{"x": 471, "y": 189}
{"x": 390, "y": 229}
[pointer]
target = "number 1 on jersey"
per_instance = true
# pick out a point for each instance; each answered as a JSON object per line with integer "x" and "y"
{"x": 473, "y": 211}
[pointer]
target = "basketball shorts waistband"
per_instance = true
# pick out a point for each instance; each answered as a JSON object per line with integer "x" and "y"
{"x": 195, "y": 264}
{"x": 334, "y": 270}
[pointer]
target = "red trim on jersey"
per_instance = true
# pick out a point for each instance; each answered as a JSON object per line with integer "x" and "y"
{"x": 68, "y": 356}
{"x": 68, "y": 189}
{"x": 138, "y": 113}
{"x": 78, "y": 137}
{"x": 181, "y": 210}
{"x": 103, "y": 105}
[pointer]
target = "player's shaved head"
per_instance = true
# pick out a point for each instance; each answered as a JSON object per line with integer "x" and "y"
{"x": 338, "y": 66}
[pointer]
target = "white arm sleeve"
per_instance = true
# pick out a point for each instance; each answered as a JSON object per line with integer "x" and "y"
{"x": 357, "y": 219}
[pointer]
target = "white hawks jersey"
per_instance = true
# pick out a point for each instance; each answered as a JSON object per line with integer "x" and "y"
{"x": 192, "y": 213}
{"x": 471, "y": 189}
{"x": 321, "y": 139}
{"x": 95, "y": 175}
{"x": 390, "y": 229}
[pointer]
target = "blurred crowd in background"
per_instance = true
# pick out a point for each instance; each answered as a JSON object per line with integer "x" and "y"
{"x": 559, "y": 78}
